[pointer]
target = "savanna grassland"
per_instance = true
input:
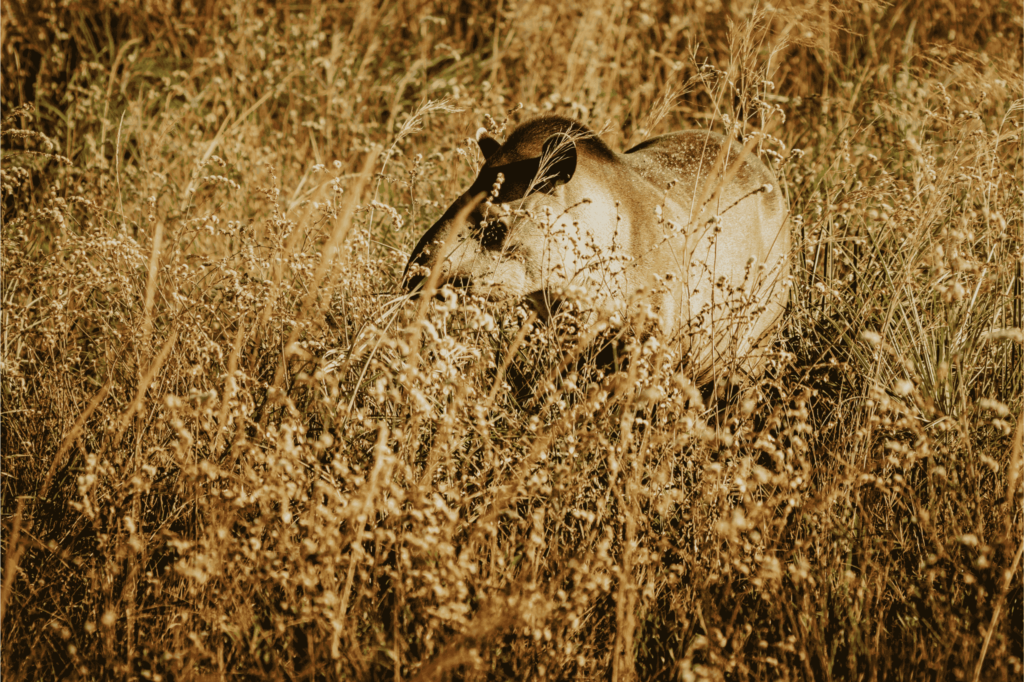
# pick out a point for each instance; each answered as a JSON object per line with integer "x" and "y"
{"x": 231, "y": 449}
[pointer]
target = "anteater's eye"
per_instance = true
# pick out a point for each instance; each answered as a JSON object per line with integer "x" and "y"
{"x": 494, "y": 233}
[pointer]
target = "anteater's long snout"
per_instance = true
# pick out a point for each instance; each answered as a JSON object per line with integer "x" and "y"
{"x": 434, "y": 253}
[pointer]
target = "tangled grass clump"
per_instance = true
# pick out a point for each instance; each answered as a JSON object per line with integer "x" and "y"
{"x": 229, "y": 448}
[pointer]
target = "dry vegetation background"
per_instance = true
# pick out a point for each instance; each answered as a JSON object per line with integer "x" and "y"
{"x": 230, "y": 448}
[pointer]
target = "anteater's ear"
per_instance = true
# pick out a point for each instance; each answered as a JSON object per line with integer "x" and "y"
{"x": 488, "y": 145}
{"x": 558, "y": 159}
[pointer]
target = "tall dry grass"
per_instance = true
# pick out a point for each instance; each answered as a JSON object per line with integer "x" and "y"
{"x": 230, "y": 448}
